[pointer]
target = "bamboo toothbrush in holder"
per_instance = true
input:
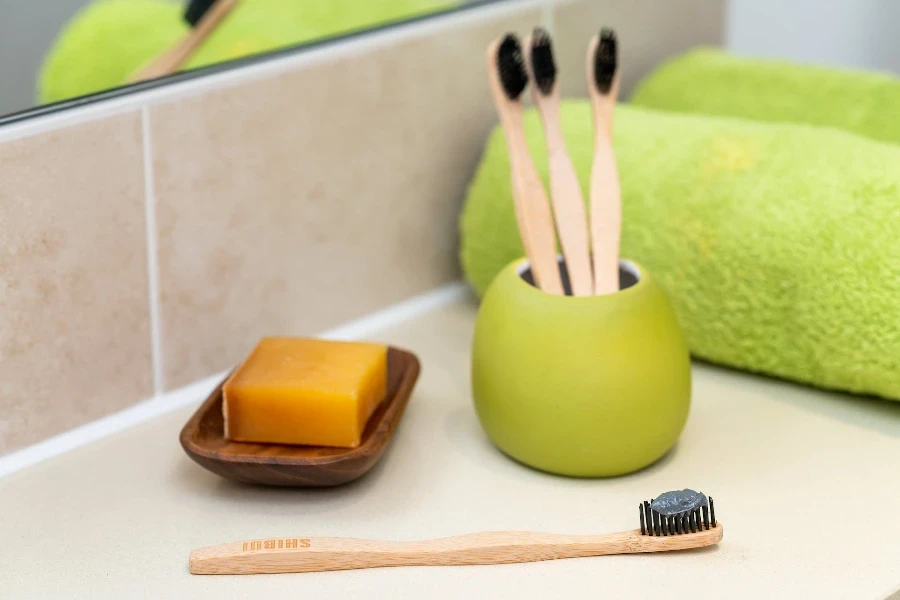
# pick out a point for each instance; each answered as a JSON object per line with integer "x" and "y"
{"x": 203, "y": 16}
{"x": 606, "y": 201}
{"x": 565, "y": 191}
{"x": 677, "y": 520}
{"x": 508, "y": 79}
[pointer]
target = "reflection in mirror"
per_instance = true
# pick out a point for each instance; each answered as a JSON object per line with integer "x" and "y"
{"x": 63, "y": 49}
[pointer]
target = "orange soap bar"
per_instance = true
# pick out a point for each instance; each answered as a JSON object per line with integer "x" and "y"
{"x": 304, "y": 391}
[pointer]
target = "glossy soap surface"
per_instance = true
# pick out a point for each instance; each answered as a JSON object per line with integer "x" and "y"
{"x": 305, "y": 391}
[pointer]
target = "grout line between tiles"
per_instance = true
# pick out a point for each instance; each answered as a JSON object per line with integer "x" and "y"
{"x": 323, "y": 53}
{"x": 195, "y": 392}
{"x": 152, "y": 256}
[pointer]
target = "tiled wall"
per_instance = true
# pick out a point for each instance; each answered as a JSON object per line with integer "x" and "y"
{"x": 74, "y": 324}
{"x": 148, "y": 241}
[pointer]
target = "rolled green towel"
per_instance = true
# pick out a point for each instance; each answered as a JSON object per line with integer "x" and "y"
{"x": 717, "y": 83}
{"x": 778, "y": 244}
{"x": 109, "y": 40}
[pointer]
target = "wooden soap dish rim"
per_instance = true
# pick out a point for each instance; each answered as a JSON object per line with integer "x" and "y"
{"x": 403, "y": 371}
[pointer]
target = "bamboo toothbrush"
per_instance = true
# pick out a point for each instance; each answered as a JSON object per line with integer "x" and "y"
{"x": 673, "y": 521}
{"x": 203, "y": 16}
{"x": 565, "y": 191}
{"x": 508, "y": 79}
{"x": 606, "y": 201}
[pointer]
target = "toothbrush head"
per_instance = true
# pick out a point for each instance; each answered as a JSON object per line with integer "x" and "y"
{"x": 511, "y": 67}
{"x": 543, "y": 67}
{"x": 677, "y": 513}
{"x": 606, "y": 60}
{"x": 195, "y": 11}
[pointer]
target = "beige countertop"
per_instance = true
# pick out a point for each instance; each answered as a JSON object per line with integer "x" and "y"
{"x": 805, "y": 482}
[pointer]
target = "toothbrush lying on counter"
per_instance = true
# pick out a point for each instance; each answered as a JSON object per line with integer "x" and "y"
{"x": 203, "y": 16}
{"x": 565, "y": 191}
{"x": 677, "y": 520}
{"x": 606, "y": 201}
{"x": 508, "y": 80}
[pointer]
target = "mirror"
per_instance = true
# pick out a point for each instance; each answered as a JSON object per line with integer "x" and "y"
{"x": 66, "y": 49}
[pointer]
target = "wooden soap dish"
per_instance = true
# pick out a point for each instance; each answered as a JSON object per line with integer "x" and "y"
{"x": 300, "y": 466}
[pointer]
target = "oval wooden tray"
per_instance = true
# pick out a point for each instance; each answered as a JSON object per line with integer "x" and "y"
{"x": 300, "y": 466}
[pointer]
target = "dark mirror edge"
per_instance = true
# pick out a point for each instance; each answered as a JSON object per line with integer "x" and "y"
{"x": 125, "y": 90}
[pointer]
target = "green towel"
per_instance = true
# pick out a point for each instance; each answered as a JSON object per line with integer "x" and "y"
{"x": 779, "y": 245}
{"x": 717, "y": 83}
{"x": 108, "y": 40}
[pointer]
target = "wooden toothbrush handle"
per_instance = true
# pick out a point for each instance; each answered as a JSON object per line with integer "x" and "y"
{"x": 304, "y": 555}
{"x": 174, "y": 58}
{"x": 605, "y": 192}
{"x": 533, "y": 213}
{"x": 569, "y": 209}
{"x": 606, "y": 214}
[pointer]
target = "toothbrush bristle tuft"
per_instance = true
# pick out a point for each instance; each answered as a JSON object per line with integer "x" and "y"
{"x": 606, "y": 60}
{"x": 677, "y": 513}
{"x": 542, "y": 64}
{"x": 511, "y": 67}
{"x": 196, "y": 9}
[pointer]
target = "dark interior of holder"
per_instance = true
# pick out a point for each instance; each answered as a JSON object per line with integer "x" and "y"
{"x": 627, "y": 278}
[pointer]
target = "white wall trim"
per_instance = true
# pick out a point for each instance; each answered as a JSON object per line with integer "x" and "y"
{"x": 107, "y": 426}
{"x": 196, "y": 392}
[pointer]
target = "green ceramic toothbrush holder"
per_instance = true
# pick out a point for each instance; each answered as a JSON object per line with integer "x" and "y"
{"x": 592, "y": 386}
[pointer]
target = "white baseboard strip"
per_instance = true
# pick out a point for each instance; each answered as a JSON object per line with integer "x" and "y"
{"x": 194, "y": 393}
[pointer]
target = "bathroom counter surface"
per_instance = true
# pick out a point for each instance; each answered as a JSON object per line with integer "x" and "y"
{"x": 118, "y": 517}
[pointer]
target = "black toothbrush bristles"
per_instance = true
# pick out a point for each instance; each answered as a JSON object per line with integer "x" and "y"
{"x": 646, "y": 512}
{"x": 195, "y": 11}
{"x": 677, "y": 513}
{"x": 511, "y": 67}
{"x": 543, "y": 67}
{"x": 606, "y": 60}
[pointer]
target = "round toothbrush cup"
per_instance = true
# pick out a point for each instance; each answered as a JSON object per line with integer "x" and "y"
{"x": 594, "y": 386}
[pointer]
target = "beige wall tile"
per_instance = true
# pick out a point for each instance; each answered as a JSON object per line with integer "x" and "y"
{"x": 649, "y": 31}
{"x": 74, "y": 334}
{"x": 294, "y": 203}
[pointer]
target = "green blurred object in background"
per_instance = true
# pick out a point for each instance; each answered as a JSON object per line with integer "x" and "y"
{"x": 714, "y": 82}
{"x": 105, "y": 43}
